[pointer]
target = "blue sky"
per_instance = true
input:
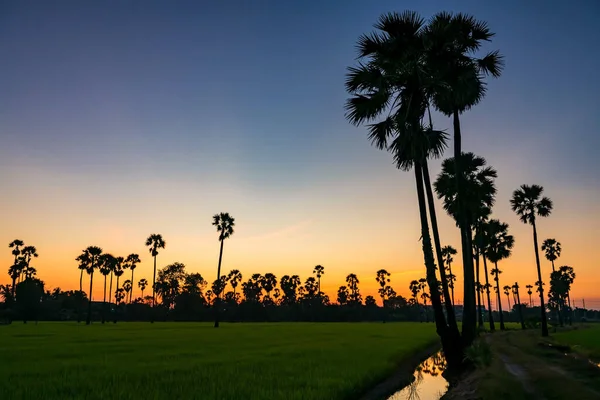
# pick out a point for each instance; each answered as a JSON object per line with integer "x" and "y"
{"x": 117, "y": 108}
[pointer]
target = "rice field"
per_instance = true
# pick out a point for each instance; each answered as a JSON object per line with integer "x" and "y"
{"x": 194, "y": 360}
{"x": 585, "y": 339}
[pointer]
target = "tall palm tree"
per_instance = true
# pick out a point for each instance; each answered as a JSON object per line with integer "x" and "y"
{"x": 382, "y": 278}
{"x": 529, "y": 292}
{"x": 154, "y": 242}
{"x": 319, "y": 271}
{"x": 515, "y": 289}
{"x": 499, "y": 247}
{"x": 479, "y": 197}
{"x": 569, "y": 275}
{"x": 127, "y": 286}
{"x": 391, "y": 83}
{"x": 83, "y": 264}
{"x": 132, "y": 260}
{"x": 104, "y": 266}
{"x": 454, "y": 39}
{"x": 15, "y": 245}
{"x": 225, "y": 224}
{"x": 119, "y": 270}
{"x": 507, "y": 291}
{"x": 552, "y": 249}
{"x": 415, "y": 288}
{"x": 94, "y": 253}
{"x": 142, "y": 285}
{"x": 27, "y": 253}
{"x": 527, "y": 202}
{"x": 234, "y": 277}
{"x": 447, "y": 253}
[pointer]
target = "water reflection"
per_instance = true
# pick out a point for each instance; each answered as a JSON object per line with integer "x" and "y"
{"x": 428, "y": 382}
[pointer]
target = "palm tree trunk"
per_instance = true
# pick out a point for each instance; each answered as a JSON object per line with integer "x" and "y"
{"x": 438, "y": 249}
{"x": 497, "y": 279}
{"x": 519, "y": 307}
{"x": 478, "y": 283}
{"x": 132, "y": 286}
{"x": 153, "y": 293}
{"x": 553, "y": 270}
{"x": 469, "y": 328}
{"x": 489, "y": 301}
{"x": 451, "y": 287}
{"x": 539, "y": 270}
{"x": 217, "y": 300}
{"x": 110, "y": 288}
{"x": 89, "y": 314}
{"x": 452, "y": 346}
{"x": 104, "y": 302}
{"x": 570, "y": 309}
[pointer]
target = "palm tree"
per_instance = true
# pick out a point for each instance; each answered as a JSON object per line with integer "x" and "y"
{"x": 268, "y": 283}
{"x": 234, "y": 277}
{"x": 447, "y": 253}
{"x": 94, "y": 253}
{"x": 515, "y": 289}
{"x": 84, "y": 261}
{"x": 527, "y": 202}
{"x": 552, "y": 249}
{"x": 104, "y": 266}
{"x": 16, "y": 252}
{"x": 225, "y": 224}
{"x": 529, "y": 292}
{"x": 27, "y": 253}
{"x": 119, "y": 270}
{"x": 499, "y": 246}
{"x": 154, "y": 242}
{"x": 507, "y": 292}
{"x": 127, "y": 286}
{"x": 132, "y": 260}
{"x": 382, "y": 278}
{"x": 476, "y": 204}
{"x": 142, "y": 285}
{"x": 393, "y": 85}
{"x": 319, "y": 271}
{"x": 454, "y": 39}
{"x": 415, "y": 288}
{"x": 569, "y": 275}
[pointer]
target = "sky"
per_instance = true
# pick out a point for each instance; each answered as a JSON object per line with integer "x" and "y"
{"x": 119, "y": 119}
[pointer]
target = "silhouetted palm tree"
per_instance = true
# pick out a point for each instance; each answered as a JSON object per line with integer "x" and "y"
{"x": 415, "y": 288}
{"x": 142, "y": 284}
{"x": 94, "y": 253}
{"x": 552, "y": 249}
{"x": 515, "y": 289}
{"x": 529, "y": 292}
{"x": 154, "y": 242}
{"x": 104, "y": 266}
{"x": 382, "y": 278}
{"x": 447, "y": 253}
{"x": 268, "y": 283}
{"x": 507, "y": 292}
{"x": 127, "y": 286}
{"x": 499, "y": 246}
{"x": 234, "y": 277}
{"x": 528, "y": 203}
{"x": 15, "y": 245}
{"x": 569, "y": 276}
{"x": 319, "y": 271}
{"x": 225, "y": 224}
{"x": 27, "y": 253}
{"x": 454, "y": 39}
{"x": 132, "y": 260}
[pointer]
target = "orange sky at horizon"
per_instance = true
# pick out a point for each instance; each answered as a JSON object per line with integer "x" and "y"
{"x": 285, "y": 240}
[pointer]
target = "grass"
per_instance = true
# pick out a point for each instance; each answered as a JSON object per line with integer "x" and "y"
{"x": 523, "y": 368}
{"x": 192, "y": 360}
{"x": 583, "y": 339}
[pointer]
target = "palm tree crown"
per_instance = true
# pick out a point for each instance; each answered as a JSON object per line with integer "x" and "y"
{"x": 552, "y": 249}
{"x": 155, "y": 241}
{"x": 499, "y": 242}
{"x": 527, "y": 202}
{"x": 225, "y": 224}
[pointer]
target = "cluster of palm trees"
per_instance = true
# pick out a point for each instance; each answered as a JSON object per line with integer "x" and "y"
{"x": 407, "y": 67}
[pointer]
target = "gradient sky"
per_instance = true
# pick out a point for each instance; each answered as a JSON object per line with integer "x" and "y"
{"x": 123, "y": 118}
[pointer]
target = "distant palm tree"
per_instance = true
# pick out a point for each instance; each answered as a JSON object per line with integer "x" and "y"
{"x": 415, "y": 288}
{"x": 500, "y": 245}
{"x": 552, "y": 249}
{"x": 268, "y": 282}
{"x": 507, "y": 292}
{"x": 154, "y": 242}
{"x": 276, "y": 295}
{"x": 127, "y": 286}
{"x": 234, "y": 277}
{"x": 319, "y": 271}
{"x": 529, "y": 292}
{"x": 225, "y": 224}
{"x": 515, "y": 289}
{"x": 104, "y": 266}
{"x": 527, "y": 202}
{"x": 16, "y": 252}
{"x": 132, "y": 260}
{"x": 84, "y": 262}
{"x": 119, "y": 270}
{"x": 382, "y": 278}
{"x": 447, "y": 253}
{"x": 142, "y": 284}
{"x": 27, "y": 253}
{"x": 94, "y": 253}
